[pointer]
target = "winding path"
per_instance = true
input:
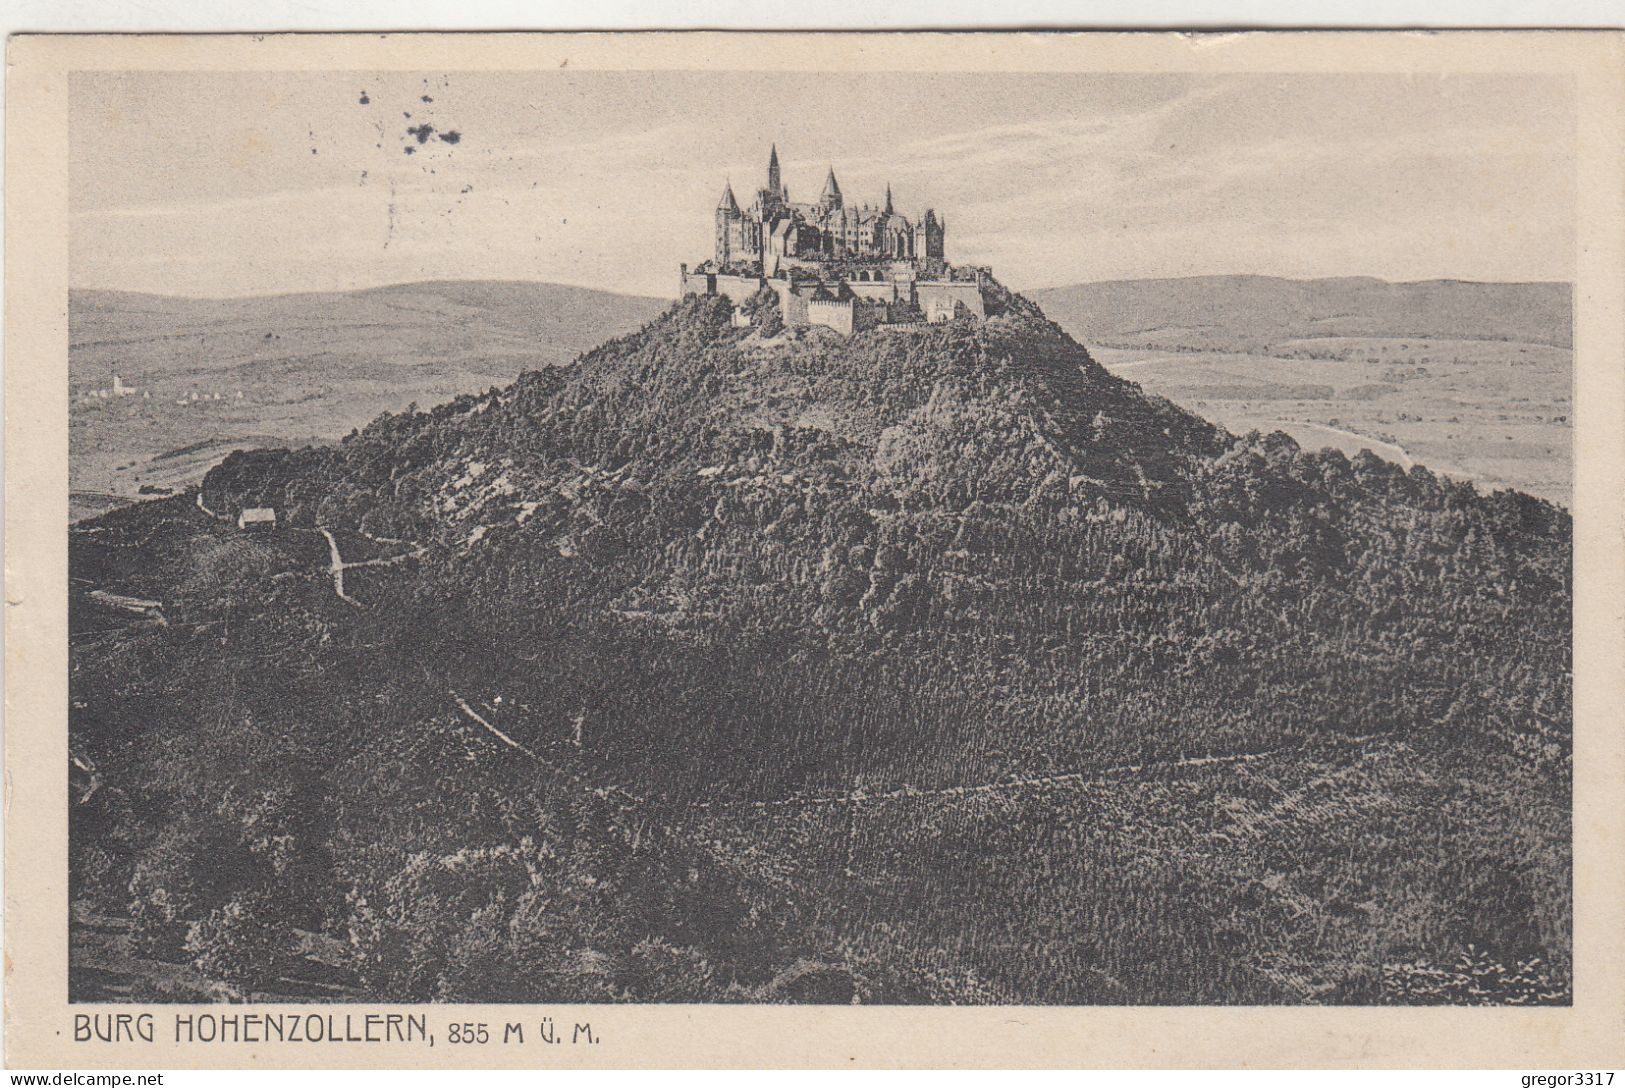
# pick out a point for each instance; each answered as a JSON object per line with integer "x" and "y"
{"x": 337, "y": 567}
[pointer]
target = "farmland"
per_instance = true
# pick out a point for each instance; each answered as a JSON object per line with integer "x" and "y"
{"x": 1494, "y": 412}
{"x": 1473, "y": 380}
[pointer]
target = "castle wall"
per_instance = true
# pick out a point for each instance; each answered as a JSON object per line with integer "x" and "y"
{"x": 792, "y": 307}
{"x": 736, "y": 288}
{"x": 831, "y": 315}
{"x": 882, "y": 291}
{"x": 695, "y": 283}
{"x": 938, "y": 298}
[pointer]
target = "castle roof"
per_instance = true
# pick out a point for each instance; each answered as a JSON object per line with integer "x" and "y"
{"x": 728, "y": 203}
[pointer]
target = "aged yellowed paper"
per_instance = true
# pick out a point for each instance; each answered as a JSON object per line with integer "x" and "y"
{"x": 1092, "y": 550}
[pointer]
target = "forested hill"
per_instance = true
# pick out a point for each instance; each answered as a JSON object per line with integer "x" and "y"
{"x": 940, "y": 660}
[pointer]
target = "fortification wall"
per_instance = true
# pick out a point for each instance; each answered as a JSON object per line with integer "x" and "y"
{"x": 737, "y": 288}
{"x": 883, "y": 291}
{"x": 693, "y": 283}
{"x": 831, "y": 315}
{"x": 938, "y": 298}
{"x": 792, "y": 307}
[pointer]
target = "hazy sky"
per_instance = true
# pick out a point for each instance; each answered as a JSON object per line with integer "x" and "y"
{"x": 264, "y": 182}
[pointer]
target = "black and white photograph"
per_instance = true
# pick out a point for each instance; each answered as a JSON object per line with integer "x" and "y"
{"x": 798, "y": 537}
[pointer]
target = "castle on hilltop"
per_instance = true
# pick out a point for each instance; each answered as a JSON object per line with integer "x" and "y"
{"x": 843, "y": 266}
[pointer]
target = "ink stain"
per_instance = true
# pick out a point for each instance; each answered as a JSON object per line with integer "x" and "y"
{"x": 365, "y": 101}
{"x": 422, "y": 132}
{"x": 451, "y": 137}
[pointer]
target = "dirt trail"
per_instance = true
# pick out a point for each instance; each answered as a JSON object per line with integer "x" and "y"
{"x": 462, "y": 704}
{"x": 337, "y": 567}
{"x": 1105, "y": 774}
{"x": 903, "y": 793}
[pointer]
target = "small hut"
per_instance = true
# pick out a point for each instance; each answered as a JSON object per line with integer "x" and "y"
{"x": 257, "y": 517}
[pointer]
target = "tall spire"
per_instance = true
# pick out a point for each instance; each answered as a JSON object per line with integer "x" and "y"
{"x": 773, "y": 184}
{"x": 888, "y": 198}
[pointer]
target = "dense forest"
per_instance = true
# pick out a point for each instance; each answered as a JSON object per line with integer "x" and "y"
{"x": 750, "y": 664}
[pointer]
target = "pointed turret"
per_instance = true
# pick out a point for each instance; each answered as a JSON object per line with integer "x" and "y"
{"x": 832, "y": 191}
{"x": 774, "y": 185}
{"x": 888, "y": 199}
{"x": 728, "y": 203}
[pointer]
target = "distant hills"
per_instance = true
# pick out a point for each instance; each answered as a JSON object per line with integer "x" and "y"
{"x": 1246, "y": 313}
{"x": 307, "y": 366}
{"x": 298, "y": 368}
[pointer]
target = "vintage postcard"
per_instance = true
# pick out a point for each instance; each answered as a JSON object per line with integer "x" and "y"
{"x": 1029, "y": 549}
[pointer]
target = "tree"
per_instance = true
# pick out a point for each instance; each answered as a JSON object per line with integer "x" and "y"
{"x": 243, "y": 946}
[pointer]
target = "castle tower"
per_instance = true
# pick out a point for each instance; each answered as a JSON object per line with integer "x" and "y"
{"x": 774, "y": 184}
{"x": 831, "y": 198}
{"x": 729, "y": 232}
{"x": 933, "y": 228}
{"x": 888, "y": 199}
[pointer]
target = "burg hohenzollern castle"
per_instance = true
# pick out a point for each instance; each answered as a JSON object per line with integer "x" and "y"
{"x": 840, "y": 265}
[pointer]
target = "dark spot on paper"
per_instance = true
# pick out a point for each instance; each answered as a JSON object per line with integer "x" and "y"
{"x": 365, "y": 101}
{"x": 426, "y": 98}
{"x": 422, "y": 132}
{"x": 409, "y": 149}
{"x": 451, "y": 137}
